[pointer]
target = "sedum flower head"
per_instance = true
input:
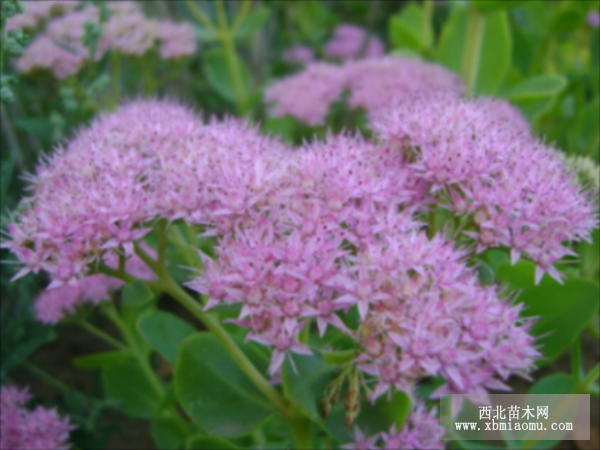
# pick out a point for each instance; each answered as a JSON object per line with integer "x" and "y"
{"x": 338, "y": 233}
{"x": 35, "y": 12}
{"x": 421, "y": 431}
{"x": 372, "y": 84}
{"x": 21, "y": 428}
{"x": 480, "y": 158}
{"x": 347, "y": 43}
{"x": 148, "y": 159}
{"x": 60, "y": 47}
{"x": 308, "y": 94}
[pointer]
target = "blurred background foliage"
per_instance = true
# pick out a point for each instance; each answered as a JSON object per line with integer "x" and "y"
{"x": 542, "y": 56}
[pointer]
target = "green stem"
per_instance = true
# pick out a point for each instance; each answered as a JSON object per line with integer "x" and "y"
{"x": 593, "y": 327}
{"x": 113, "y": 314}
{"x": 475, "y": 23}
{"x": 171, "y": 287}
{"x": 116, "y": 75}
{"x": 226, "y": 39}
{"x": 590, "y": 378}
{"x": 300, "y": 429}
{"x": 43, "y": 375}
{"x": 2, "y": 45}
{"x": 576, "y": 366}
{"x": 339, "y": 357}
{"x": 99, "y": 333}
{"x": 187, "y": 248}
{"x": 200, "y": 16}
{"x": 213, "y": 325}
{"x": 241, "y": 15}
{"x": 103, "y": 268}
{"x": 13, "y": 143}
{"x": 162, "y": 244}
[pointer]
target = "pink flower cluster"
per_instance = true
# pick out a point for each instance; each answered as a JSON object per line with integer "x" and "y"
{"x": 339, "y": 232}
{"x": 128, "y": 31}
{"x": 373, "y": 84}
{"x": 35, "y": 12}
{"x": 480, "y": 159}
{"x": 307, "y": 95}
{"x": 347, "y": 43}
{"x": 149, "y": 159}
{"x": 20, "y": 428}
{"x": 421, "y": 431}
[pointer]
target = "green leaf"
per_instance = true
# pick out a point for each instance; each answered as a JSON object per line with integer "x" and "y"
{"x": 209, "y": 443}
{"x": 486, "y": 274}
{"x": 563, "y": 310}
{"x": 213, "y": 390}
{"x": 6, "y": 170}
{"x": 535, "y": 108}
{"x": 218, "y": 75}
{"x": 519, "y": 276}
{"x": 566, "y": 20}
{"x": 409, "y": 29}
{"x": 305, "y": 385}
{"x": 37, "y": 337}
{"x": 136, "y": 294}
{"x": 474, "y": 445}
{"x": 487, "y": 6}
{"x": 164, "y": 332}
{"x": 488, "y": 48}
{"x": 494, "y": 257}
{"x": 372, "y": 419}
{"x": 127, "y": 383}
{"x": 169, "y": 433}
{"x": 38, "y": 126}
{"x": 103, "y": 359}
{"x": 253, "y": 22}
{"x": 557, "y": 383}
{"x": 537, "y": 87}
{"x": 586, "y": 130}
{"x": 202, "y": 34}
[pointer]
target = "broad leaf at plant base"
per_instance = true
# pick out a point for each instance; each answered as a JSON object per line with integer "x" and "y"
{"x": 127, "y": 383}
{"x": 214, "y": 391}
{"x": 563, "y": 310}
{"x": 164, "y": 332}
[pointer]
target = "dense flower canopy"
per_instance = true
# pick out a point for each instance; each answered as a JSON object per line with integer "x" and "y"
{"x": 321, "y": 230}
{"x": 372, "y": 83}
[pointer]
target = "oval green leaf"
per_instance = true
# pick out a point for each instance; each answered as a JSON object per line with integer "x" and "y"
{"x": 252, "y": 23}
{"x": 409, "y": 29}
{"x": 557, "y": 383}
{"x": 209, "y": 443}
{"x": 537, "y": 87}
{"x": 484, "y": 41}
{"x": 169, "y": 433}
{"x": 103, "y": 359}
{"x": 164, "y": 332}
{"x": 127, "y": 383}
{"x": 305, "y": 381}
{"x": 213, "y": 390}
{"x": 136, "y": 294}
{"x": 563, "y": 309}
{"x": 218, "y": 75}
{"x": 372, "y": 419}
{"x": 487, "y": 6}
